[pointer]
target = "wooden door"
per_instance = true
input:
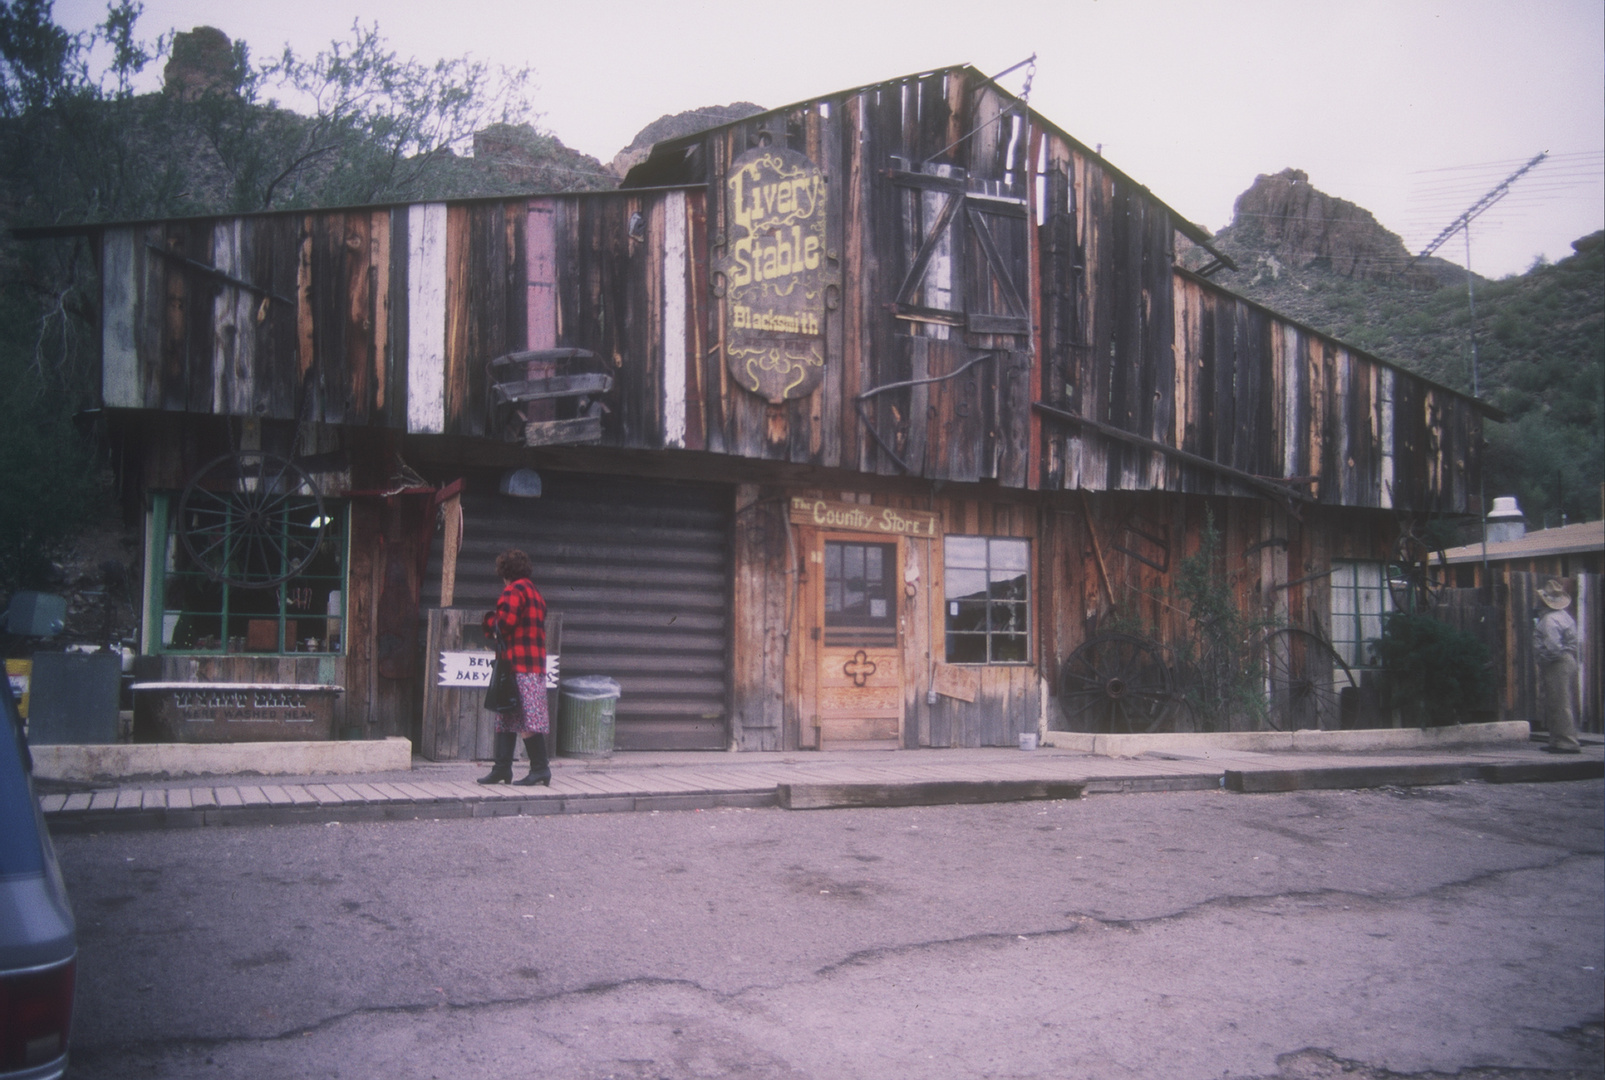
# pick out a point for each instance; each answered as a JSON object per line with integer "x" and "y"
{"x": 860, "y": 658}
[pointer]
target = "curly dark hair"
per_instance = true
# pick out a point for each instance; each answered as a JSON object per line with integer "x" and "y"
{"x": 512, "y": 565}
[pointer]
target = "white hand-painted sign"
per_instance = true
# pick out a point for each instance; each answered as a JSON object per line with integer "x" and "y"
{"x": 474, "y": 668}
{"x": 466, "y": 668}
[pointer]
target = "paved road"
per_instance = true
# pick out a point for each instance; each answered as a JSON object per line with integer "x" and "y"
{"x": 1182, "y": 935}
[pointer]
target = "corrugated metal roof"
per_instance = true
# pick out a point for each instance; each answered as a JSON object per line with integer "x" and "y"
{"x": 1566, "y": 540}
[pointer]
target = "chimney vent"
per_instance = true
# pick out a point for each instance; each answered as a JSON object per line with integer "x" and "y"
{"x": 1506, "y": 522}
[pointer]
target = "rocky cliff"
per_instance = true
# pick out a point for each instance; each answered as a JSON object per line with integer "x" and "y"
{"x": 1540, "y": 335}
{"x": 672, "y": 126}
{"x": 1283, "y": 222}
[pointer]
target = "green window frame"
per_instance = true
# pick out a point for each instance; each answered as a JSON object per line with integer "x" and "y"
{"x": 189, "y": 613}
{"x": 987, "y": 591}
{"x": 1360, "y": 603}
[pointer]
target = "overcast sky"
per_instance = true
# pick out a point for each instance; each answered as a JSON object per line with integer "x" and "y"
{"x": 1411, "y": 108}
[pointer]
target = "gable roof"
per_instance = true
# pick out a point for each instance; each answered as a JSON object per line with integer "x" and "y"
{"x": 666, "y": 164}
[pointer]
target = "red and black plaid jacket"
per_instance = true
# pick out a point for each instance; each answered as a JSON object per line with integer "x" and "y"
{"x": 520, "y": 619}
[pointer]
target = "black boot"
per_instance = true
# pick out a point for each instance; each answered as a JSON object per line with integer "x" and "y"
{"x": 501, "y": 770}
{"x": 540, "y": 772}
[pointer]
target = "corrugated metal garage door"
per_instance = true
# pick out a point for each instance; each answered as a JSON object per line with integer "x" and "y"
{"x": 641, "y": 572}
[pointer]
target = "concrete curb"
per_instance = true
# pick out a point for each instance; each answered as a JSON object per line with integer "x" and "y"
{"x": 1534, "y": 772}
{"x": 1350, "y": 777}
{"x": 1257, "y": 781}
{"x": 127, "y": 761}
{"x": 922, "y": 793}
{"x": 1307, "y": 742}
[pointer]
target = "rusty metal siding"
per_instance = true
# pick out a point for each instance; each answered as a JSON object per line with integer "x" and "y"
{"x": 640, "y": 570}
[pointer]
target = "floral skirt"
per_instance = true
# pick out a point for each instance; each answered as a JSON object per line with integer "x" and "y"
{"x": 533, "y": 720}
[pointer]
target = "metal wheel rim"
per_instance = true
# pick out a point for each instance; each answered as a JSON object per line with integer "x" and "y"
{"x": 1304, "y": 679}
{"x": 228, "y": 518}
{"x": 1412, "y": 557}
{"x": 1117, "y": 683}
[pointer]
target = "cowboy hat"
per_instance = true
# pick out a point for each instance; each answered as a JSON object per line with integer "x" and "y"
{"x": 1553, "y": 594}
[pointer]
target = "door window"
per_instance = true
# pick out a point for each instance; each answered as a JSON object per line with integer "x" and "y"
{"x": 860, "y": 605}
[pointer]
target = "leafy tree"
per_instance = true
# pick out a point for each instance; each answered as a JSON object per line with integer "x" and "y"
{"x": 46, "y": 482}
{"x": 1223, "y": 678}
{"x": 78, "y": 146}
{"x": 379, "y": 123}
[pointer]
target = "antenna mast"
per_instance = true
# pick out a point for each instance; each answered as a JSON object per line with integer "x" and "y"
{"x": 1477, "y": 208}
{"x": 1464, "y": 222}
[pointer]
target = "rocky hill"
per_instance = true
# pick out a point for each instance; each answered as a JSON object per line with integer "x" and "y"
{"x": 1540, "y": 335}
{"x": 673, "y": 126}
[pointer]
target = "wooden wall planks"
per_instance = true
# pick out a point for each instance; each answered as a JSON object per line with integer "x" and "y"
{"x": 426, "y": 318}
{"x": 392, "y": 315}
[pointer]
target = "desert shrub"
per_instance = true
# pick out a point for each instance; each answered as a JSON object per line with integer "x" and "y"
{"x": 1435, "y": 673}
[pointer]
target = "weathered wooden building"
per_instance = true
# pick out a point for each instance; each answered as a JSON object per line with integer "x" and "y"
{"x": 852, "y": 421}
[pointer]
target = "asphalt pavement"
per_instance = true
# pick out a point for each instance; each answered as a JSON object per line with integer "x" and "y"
{"x": 798, "y": 780}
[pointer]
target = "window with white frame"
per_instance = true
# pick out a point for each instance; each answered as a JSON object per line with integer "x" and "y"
{"x": 988, "y": 589}
{"x": 1360, "y": 601}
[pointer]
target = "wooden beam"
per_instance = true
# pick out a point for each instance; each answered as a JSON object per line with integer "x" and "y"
{"x": 452, "y": 543}
{"x": 1097, "y": 548}
{"x": 1247, "y": 479}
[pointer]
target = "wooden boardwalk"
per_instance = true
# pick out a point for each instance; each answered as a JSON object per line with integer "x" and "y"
{"x": 693, "y": 781}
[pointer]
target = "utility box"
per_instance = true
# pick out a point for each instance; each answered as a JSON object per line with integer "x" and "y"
{"x": 72, "y": 698}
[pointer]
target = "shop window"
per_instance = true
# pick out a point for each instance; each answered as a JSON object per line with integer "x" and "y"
{"x": 988, "y": 589}
{"x": 191, "y": 612}
{"x": 1360, "y": 601}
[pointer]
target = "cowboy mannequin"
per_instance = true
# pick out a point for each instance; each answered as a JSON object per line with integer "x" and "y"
{"x": 1555, "y": 646}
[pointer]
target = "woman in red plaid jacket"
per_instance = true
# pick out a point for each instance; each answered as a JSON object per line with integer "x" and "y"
{"x": 518, "y": 625}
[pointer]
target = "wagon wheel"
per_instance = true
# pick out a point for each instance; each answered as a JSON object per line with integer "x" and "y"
{"x": 1305, "y": 679}
{"x": 1116, "y": 683}
{"x": 1410, "y": 583}
{"x": 250, "y": 519}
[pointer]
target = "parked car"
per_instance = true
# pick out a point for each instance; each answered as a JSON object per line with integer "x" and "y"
{"x": 38, "y": 939}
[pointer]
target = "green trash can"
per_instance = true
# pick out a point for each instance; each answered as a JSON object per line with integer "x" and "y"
{"x": 585, "y": 708}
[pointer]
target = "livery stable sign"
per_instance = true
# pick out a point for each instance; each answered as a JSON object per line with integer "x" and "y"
{"x": 774, "y": 272}
{"x": 861, "y": 517}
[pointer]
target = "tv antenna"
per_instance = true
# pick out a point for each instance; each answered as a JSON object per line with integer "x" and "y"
{"x": 1459, "y": 224}
{"x": 1465, "y": 220}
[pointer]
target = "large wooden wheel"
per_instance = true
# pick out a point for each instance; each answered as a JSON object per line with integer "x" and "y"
{"x": 1116, "y": 683}
{"x": 250, "y": 519}
{"x": 1304, "y": 681}
{"x": 1412, "y": 586}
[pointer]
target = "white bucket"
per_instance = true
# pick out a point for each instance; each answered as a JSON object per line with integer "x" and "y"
{"x": 1028, "y": 740}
